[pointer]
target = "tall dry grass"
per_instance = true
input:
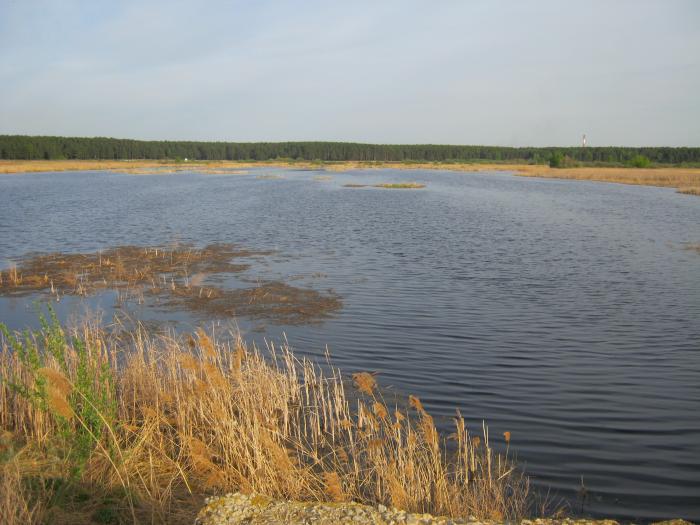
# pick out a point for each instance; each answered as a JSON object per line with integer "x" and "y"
{"x": 17, "y": 507}
{"x": 141, "y": 166}
{"x": 686, "y": 180}
{"x": 196, "y": 416}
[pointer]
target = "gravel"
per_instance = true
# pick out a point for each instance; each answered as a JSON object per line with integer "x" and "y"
{"x": 256, "y": 509}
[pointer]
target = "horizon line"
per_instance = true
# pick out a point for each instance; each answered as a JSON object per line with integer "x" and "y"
{"x": 221, "y": 141}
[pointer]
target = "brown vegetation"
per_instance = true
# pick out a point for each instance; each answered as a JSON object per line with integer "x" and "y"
{"x": 389, "y": 185}
{"x": 400, "y": 186}
{"x": 170, "y": 420}
{"x": 686, "y": 180}
{"x": 141, "y": 167}
{"x": 174, "y": 277}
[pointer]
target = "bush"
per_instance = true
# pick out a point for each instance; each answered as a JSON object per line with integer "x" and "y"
{"x": 639, "y": 161}
{"x": 82, "y": 406}
{"x": 559, "y": 160}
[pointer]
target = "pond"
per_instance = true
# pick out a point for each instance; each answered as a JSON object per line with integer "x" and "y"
{"x": 566, "y": 313}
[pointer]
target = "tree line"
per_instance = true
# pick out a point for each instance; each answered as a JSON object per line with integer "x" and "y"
{"x": 48, "y": 148}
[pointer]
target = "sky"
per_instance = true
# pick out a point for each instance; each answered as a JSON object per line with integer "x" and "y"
{"x": 511, "y": 73}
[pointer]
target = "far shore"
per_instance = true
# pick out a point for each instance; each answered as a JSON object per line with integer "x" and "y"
{"x": 685, "y": 180}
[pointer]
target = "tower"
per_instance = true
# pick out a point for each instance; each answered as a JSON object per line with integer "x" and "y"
{"x": 583, "y": 141}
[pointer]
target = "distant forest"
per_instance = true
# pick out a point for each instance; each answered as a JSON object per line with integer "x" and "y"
{"x": 47, "y": 148}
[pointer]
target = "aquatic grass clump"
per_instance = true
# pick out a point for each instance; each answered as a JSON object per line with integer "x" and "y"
{"x": 401, "y": 186}
{"x": 389, "y": 186}
{"x": 186, "y": 416}
{"x": 175, "y": 277}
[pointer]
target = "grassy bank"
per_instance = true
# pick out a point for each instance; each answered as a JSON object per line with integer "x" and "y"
{"x": 132, "y": 427}
{"x": 685, "y": 180}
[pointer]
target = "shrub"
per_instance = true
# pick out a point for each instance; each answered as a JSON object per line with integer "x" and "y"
{"x": 67, "y": 380}
{"x": 639, "y": 161}
{"x": 559, "y": 160}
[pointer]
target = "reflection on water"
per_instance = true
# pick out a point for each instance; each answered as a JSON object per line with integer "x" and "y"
{"x": 563, "y": 312}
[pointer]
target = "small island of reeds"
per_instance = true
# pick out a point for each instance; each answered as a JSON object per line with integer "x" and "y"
{"x": 401, "y": 186}
{"x": 389, "y": 185}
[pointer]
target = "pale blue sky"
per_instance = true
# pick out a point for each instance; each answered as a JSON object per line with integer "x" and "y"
{"x": 516, "y": 73}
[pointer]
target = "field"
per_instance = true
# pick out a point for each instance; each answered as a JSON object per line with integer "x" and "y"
{"x": 685, "y": 180}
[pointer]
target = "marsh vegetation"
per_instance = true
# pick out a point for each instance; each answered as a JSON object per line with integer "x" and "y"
{"x": 400, "y": 185}
{"x": 418, "y": 284}
{"x": 177, "y": 277}
{"x": 389, "y": 185}
{"x": 136, "y": 427}
{"x": 686, "y": 179}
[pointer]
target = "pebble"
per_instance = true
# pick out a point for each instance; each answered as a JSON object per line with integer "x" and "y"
{"x": 256, "y": 509}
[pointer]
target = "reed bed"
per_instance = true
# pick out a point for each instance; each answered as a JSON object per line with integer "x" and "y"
{"x": 685, "y": 180}
{"x": 132, "y": 426}
{"x": 400, "y": 186}
{"x": 389, "y": 185}
{"x": 175, "y": 277}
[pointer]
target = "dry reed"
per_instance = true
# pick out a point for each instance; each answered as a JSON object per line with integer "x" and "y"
{"x": 197, "y": 416}
{"x": 686, "y": 180}
{"x": 17, "y": 507}
{"x": 400, "y": 186}
{"x": 174, "y": 276}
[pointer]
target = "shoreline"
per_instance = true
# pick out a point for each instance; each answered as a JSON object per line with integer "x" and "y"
{"x": 685, "y": 180}
{"x": 234, "y": 508}
{"x": 141, "y": 425}
{"x": 155, "y": 451}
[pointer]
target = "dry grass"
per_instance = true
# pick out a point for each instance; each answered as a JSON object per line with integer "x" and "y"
{"x": 142, "y": 167}
{"x": 173, "y": 276}
{"x": 17, "y": 506}
{"x": 686, "y": 180}
{"x": 389, "y": 185}
{"x": 400, "y": 186}
{"x": 199, "y": 416}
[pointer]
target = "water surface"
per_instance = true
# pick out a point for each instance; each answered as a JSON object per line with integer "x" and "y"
{"x": 565, "y": 312}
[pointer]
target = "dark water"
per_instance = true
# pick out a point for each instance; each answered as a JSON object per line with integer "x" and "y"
{"x": 567, "y": 313}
